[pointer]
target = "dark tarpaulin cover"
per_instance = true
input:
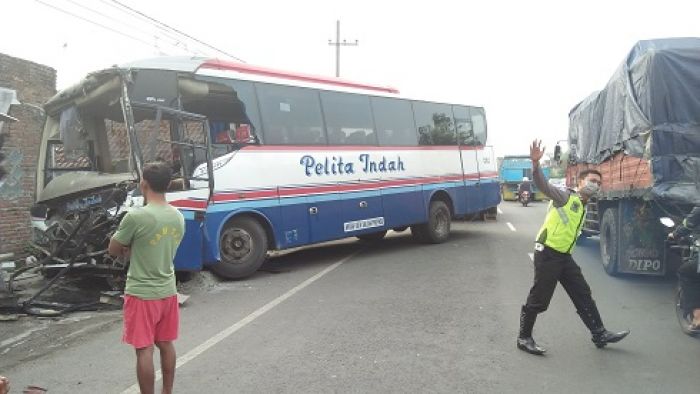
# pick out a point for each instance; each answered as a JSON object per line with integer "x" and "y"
{"x": 650, "y": 108}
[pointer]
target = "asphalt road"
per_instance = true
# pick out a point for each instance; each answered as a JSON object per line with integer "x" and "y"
{"x": 390, "y": 317}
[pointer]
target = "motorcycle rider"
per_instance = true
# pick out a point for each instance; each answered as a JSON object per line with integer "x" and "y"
{"x": 689, "y": 272}
{"x": 526, "y": 185}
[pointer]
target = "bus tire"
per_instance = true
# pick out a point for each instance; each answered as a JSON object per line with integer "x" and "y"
{"x": 437, "y": 230}
{"x": 243, "y": 246}
{"x": 609, "y": 241}
{"x": 372, "y": 237}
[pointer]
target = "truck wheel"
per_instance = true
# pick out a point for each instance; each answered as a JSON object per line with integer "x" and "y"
{"x": 437, "y": 230}
{"x": 243, "y": 247}
{"x": 491, "y": 213}
{"x": 372, "y": 237}
{"x": 609, "y": 241}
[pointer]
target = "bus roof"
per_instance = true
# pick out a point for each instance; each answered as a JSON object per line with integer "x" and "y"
{"x": 199, "y": 64}
{"x": 209, "y": 67}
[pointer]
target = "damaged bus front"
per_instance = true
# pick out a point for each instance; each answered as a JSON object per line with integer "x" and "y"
{"x": 97, "y": 136}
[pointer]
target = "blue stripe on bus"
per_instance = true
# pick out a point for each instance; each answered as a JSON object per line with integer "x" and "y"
{"x": 188, "y": 215}
{"x": 403, "y": 205}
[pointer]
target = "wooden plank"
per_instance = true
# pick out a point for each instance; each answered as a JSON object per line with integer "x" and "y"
{"x": 620, "y": 172}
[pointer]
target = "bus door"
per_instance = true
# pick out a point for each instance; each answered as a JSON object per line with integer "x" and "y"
{"x": 488, "y": 182}
{"x": 180, "y": 139}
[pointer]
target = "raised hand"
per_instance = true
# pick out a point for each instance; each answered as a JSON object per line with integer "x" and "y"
{"x": 536, "y": 150}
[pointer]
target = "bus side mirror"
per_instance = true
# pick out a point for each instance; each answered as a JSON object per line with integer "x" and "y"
{"x": 557, "y": 153}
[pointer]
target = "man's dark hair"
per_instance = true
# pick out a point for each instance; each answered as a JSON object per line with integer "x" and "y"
{"x": 586, "y": 172}
{"x": 157, "y": 174}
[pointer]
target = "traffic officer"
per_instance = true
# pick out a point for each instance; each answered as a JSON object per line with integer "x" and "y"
{"x": 553, "y": 261}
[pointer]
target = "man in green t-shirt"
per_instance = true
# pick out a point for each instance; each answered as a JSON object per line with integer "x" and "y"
{"x": 149, "y": 236}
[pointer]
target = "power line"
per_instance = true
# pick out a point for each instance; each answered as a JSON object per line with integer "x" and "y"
{"x": 94, "y": 23}
{"x": 177, "y": 31}
{"x": 127, "y": 25}
{"x": 162, "y": 31}
{"x": 108, "y": 17}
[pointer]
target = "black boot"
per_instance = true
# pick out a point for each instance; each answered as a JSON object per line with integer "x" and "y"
{"x": 599, "y": 335}
{"x": 525, "y": 341}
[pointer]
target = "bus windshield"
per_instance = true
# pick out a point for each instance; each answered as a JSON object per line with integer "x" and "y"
{"x": 96, "y": 126}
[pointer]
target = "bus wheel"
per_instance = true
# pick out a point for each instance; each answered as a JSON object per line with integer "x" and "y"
{"x": 437, "y": 230}
{"x": 371, "y": 237}
{"x": 609, "y": 241}
{"x": 243, "y": 247}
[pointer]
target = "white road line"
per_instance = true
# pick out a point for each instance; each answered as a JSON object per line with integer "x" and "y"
{"x": 206, "y": 345}
{"x": 532, "y": 256}
{"x": 499, "y": 211}
{"x": 510, "y": 226}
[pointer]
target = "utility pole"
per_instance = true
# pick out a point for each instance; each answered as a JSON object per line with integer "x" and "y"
{"x": 337, "y": 45}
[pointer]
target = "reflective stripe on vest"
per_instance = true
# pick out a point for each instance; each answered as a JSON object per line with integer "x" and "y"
{"x": 562, "y": 225}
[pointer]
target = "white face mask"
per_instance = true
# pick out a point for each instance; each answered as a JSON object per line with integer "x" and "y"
{"x": 590, "y": 189}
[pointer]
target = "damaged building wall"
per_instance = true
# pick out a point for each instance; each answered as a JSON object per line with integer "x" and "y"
{"x": 33, "y": 84}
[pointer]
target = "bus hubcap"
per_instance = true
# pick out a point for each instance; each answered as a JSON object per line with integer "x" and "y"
{"x": 441, "y": 222}
{"x": 236, "y": 244}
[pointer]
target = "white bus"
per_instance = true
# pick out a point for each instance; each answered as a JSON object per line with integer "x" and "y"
{"x": 263, "y": 159}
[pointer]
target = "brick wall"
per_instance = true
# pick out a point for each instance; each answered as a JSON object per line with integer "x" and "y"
{"x": 34, "y": 84}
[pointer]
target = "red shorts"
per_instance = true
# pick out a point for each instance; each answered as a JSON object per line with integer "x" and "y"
{"x": 150, "y": 321}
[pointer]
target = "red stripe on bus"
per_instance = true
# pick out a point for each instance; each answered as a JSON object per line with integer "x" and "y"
{"x": 244, "y": 195}
{"x": 336, "y": 188}
{"x": 189, "y": 204}
{"x": 321, "y": 189}
{"x": 216, "y": 64}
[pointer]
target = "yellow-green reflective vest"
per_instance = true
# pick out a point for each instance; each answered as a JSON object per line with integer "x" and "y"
{"x": 562, "y": 225}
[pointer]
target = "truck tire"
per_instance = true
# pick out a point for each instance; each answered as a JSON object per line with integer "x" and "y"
{"x": 243, "y": 246}
{"x": 437, "y": 230}
{"x": 491, "y": 213}
{"x": 372, "y": 237}
{"x": 609, "y": 241}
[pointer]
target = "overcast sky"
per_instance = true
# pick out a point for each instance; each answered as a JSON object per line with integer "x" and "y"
{"x": 527, "y": 62}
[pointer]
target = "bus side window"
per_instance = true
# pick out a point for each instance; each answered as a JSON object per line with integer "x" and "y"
{"x": 463, "y": 125}
{"x": 291, "y": 115}
{"x": 478, "y": 118}
{"x": 394, "y": 122}
{"x": 435, "y": 123}
{"x": 349, "y": 116}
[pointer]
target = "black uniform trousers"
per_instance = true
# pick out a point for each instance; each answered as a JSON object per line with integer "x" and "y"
{"x": 552, "y": 267}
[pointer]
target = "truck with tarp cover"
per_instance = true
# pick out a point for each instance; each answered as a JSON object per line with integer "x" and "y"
{"x": 642, "y": 132}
